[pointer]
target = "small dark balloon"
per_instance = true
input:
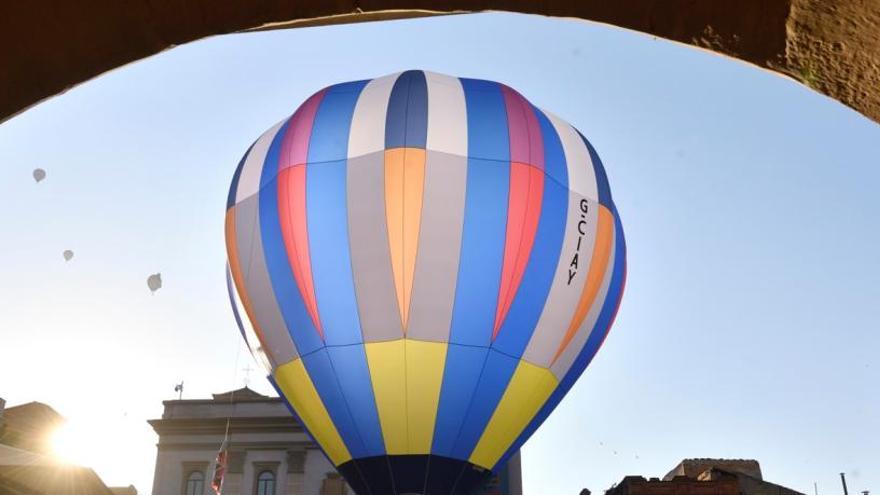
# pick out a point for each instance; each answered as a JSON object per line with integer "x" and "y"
{"x": 39, "y": 174}
{"x": 154, "y": 282}
{"x": 68, "y": 255}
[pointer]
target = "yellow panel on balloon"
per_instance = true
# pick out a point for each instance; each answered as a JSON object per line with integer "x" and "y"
{"x": 294, "y": 382}
{"x": 406, "y": 376}
{"x": 424, "y": 376}
{"x": 388, "y": 373}
{"x": 527, "y": 391}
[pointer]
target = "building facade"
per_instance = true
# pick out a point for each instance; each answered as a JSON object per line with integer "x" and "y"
{"x": 704, "y": 477}
{"x": 27, "y": 464}
{"x": 269, "y": 453}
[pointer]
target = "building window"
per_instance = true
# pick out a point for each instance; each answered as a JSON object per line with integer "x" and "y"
{"x": 266, "y": 483}
{"x": 195, "y": 483}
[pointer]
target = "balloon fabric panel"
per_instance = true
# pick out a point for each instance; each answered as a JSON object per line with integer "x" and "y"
{"x": 371, "y": 264}
{"x": 534, "y": 289}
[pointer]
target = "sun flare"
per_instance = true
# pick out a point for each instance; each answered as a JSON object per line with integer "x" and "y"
{"x": 71, "y": 445}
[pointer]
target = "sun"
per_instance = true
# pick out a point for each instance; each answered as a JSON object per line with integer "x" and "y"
{"x": 71, "y": 445}
{"x": 98, "y": 443}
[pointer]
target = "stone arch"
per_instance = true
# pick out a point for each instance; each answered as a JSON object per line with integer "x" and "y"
{"x": 833, "y": 46}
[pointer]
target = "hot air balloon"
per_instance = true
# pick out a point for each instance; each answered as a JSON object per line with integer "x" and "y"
{"x": 154, "y": 282}
{"x": 425, "y": 264}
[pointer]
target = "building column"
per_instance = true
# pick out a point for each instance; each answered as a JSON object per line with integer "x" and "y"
{"x": 296, "y": 463}
{"x": 234, "y": 471}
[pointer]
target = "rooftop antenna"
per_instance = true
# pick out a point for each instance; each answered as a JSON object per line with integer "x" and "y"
{"x": 843, "y": 480}
{"x": 179, "y": 389}
{"x": 247, "y": 375}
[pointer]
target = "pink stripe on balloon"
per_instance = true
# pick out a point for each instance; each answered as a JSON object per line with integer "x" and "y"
{"x": 292, "y": 218}
{"x": 526, "y": 142}
{"x": 524, "y": 198}
{"x": 295, "y": 147}
{"x": 292, "y": 200}
{"x": 523, "y": 213}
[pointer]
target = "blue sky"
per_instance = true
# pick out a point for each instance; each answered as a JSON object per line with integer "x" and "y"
{"x": 748, "y": 326}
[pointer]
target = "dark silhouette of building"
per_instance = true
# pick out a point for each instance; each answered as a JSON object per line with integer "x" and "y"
{"x": 704, "y": 477}
{"x": 692, "y": 468}
{"x": 30, "y": 427}
{"x": 27, "y": 466}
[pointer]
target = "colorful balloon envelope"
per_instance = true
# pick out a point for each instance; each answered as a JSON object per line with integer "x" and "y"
{"x": 425, "y": 264}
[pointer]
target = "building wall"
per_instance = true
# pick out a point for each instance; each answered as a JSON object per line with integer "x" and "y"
{"x": 694, "y": 467}
{"x": 752, "y": 486}
{"x": 749, "y": 485}
{"x": 637, "y": 485}
{"x": 257, "y": 461}
{"x": 170, "y": 466}
{"x": 30, "y": 427}
{"x": 262, "y": 436}
{"x": 713, "y": 481}
{"x": 173, "y": 466}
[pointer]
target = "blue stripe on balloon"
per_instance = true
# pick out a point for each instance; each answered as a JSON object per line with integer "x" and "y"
{"x": 233, "y": 187}
{"x": 327, "y": 383}
{"x": 327, "y": 219}
{"x": 526, "y": 309}
{"x": 459, "y": 383}
{"x": 600, "y": 330}
{"x": 518, "y": 326}
{"x": 315, "y": 358}
{"x": 344, "y": 384}
{"x": 479, "y": 273}
{"x": 490, "y": 388}
{"x": 485, "y": 217}
{"x": 329, "y": 250}
{"x": 329, "y": 141}
{"x": 406, "y": 125}
{"x": 482, "y": 252}
{"x": 299, "y": 324}
{"x": 488, "y": 135}
{"x": 350, "y": 366}
{"x": 601, "y": 176}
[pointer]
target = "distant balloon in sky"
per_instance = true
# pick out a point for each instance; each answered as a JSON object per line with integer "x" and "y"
{"x": 68, "y": 255}
{"x": 154, "y": 282}
{"x": 425, "y": 264}
{"x": 39, "y": 174}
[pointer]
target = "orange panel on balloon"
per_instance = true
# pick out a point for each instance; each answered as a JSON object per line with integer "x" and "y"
{"x": 404, "y": 187}
{"x": 598, "y": 265}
